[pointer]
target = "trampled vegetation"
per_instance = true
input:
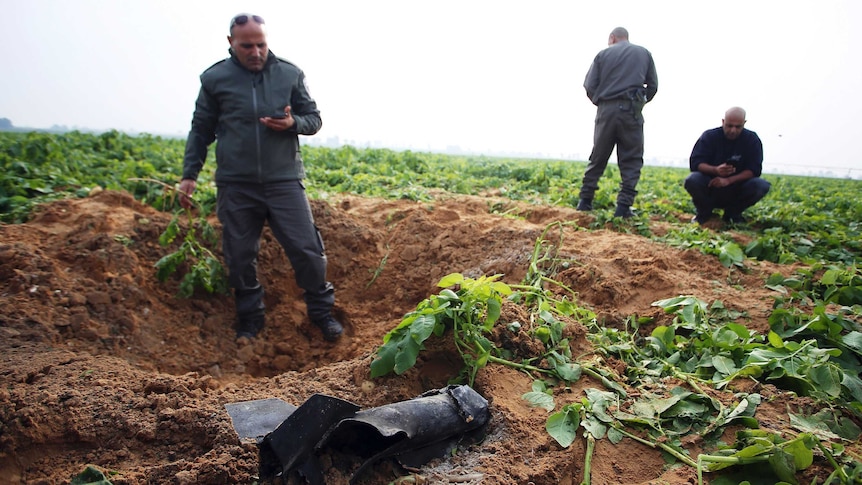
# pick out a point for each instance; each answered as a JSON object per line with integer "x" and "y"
{"x": 813, "y": 348}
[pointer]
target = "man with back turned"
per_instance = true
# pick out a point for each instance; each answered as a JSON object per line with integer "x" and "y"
{"x": 620, "y": 81}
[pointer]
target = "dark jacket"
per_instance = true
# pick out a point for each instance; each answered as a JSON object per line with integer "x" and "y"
{"x": 620, "y": 69}
{"x": 713, "y": 148}
{"x": 228, "y": 108}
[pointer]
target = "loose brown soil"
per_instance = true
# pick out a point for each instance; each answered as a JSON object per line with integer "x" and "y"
{"x": 102, "y": 364}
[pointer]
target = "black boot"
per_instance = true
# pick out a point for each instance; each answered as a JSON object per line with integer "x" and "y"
{"x": 249, "y": 327}
{"x": 585, "y": 205}
{"x": 624, "y": 211}
{"x": 330, "y": 327}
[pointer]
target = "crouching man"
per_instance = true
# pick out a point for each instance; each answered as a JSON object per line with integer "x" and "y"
{"x": 726, "y": 164}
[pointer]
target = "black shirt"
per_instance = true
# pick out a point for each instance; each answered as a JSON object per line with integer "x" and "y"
{"x": 713, "y": 148}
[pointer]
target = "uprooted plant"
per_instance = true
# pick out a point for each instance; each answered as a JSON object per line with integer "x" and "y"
{"x": 199, "y": 265}
{"x": 202, "y": 267}
{"x": 470, "y": 311}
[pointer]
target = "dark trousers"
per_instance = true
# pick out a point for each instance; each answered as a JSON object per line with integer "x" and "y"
{"x": 733, "y": 199}
{"x": 616, "y": 125}
{"x": 243, "y": 209}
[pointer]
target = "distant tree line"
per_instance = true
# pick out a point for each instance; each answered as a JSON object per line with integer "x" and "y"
{"x": 6, "y": 125}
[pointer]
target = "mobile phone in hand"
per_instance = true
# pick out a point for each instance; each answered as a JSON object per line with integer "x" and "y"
{"x": 735, "y": 160}
{"x": 278, "y": 115}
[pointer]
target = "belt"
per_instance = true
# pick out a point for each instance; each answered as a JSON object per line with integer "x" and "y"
{"x": 616, "y": 100}
{"x": 623, "y": 104}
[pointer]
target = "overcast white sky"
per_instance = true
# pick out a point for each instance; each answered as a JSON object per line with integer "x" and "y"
{"x": 489, "y": 77}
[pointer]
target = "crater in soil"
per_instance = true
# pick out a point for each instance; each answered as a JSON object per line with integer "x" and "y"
{"x": 102, "y": 364}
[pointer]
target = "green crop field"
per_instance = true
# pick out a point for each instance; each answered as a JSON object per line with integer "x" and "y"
{"x": 802, "y": 219}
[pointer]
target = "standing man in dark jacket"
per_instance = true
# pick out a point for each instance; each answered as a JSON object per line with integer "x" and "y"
{"x": 256, "y": 105}
{"x": 621, "y": 80}
{"x": 726, "y": 163}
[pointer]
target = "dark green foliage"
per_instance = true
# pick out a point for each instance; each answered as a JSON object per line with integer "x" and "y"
{"x": 193, "y": 259}
{"x": 803, "y": 219}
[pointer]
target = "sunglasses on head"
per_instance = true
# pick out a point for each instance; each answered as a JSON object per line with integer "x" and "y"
{"x": 243, "y": 19}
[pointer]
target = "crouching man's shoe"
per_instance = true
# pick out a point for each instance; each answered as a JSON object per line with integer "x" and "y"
{"x": 702, "y": 218}
{"x": 734, "y": 218}
{"x": 330, "y": 327}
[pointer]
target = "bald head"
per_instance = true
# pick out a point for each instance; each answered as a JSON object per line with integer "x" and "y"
{"x": 617, "y": 35}
{"x": 735, "y": 112}
{"x": 733, "y": 122}
{"x": 620, "y": 32}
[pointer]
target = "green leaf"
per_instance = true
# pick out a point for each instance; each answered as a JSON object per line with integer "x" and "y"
{"x": 402, "y": 346}
{"x": 405, "y": 358}
{"x": 782, "y": 464}
{"x": 775, "y": 340}
{"x": 539, "y": 400}
{"x": 830, "y": 277}
{"x": 615, "y": 435}
{"x": 731, "y": 254}
{"x": 665, "y": 335}
{"x": 451, "y": 280}
{"x": 598, "y": 403}
{"x": 563, "y": 426}
{"x": 539, "y": 386}
{"x": 814, "y": 425}
{"x": 724, "y": 365}
{"x": 594, "y": 426}
{"x": 827, "y": 379}
{"x": 187, "y": 285}
{"x": 853, "y": 385}
{"x": 385, "y": 361}
{"x": 422, "y": 327}
{"x": 167, "y": 265}
{"x": 775, "y": 279}
{"x": 170, "y": 233}
{"x": 568, "y": 371}
{"x": 854, "y": 341}
{"x": 685, "y": 409}
{"x": 494, "y": 310}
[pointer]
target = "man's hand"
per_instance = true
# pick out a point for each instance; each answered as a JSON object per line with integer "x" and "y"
{"x": 720, "y": 175}
{"x": 279, "y": 124}
{"x": 725, "y": 170}
{"x": 186, "y": 189}
{"x": 719, "y": 182}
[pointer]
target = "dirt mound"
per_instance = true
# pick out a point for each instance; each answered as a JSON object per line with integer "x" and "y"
{"x": 102, "y": 364}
